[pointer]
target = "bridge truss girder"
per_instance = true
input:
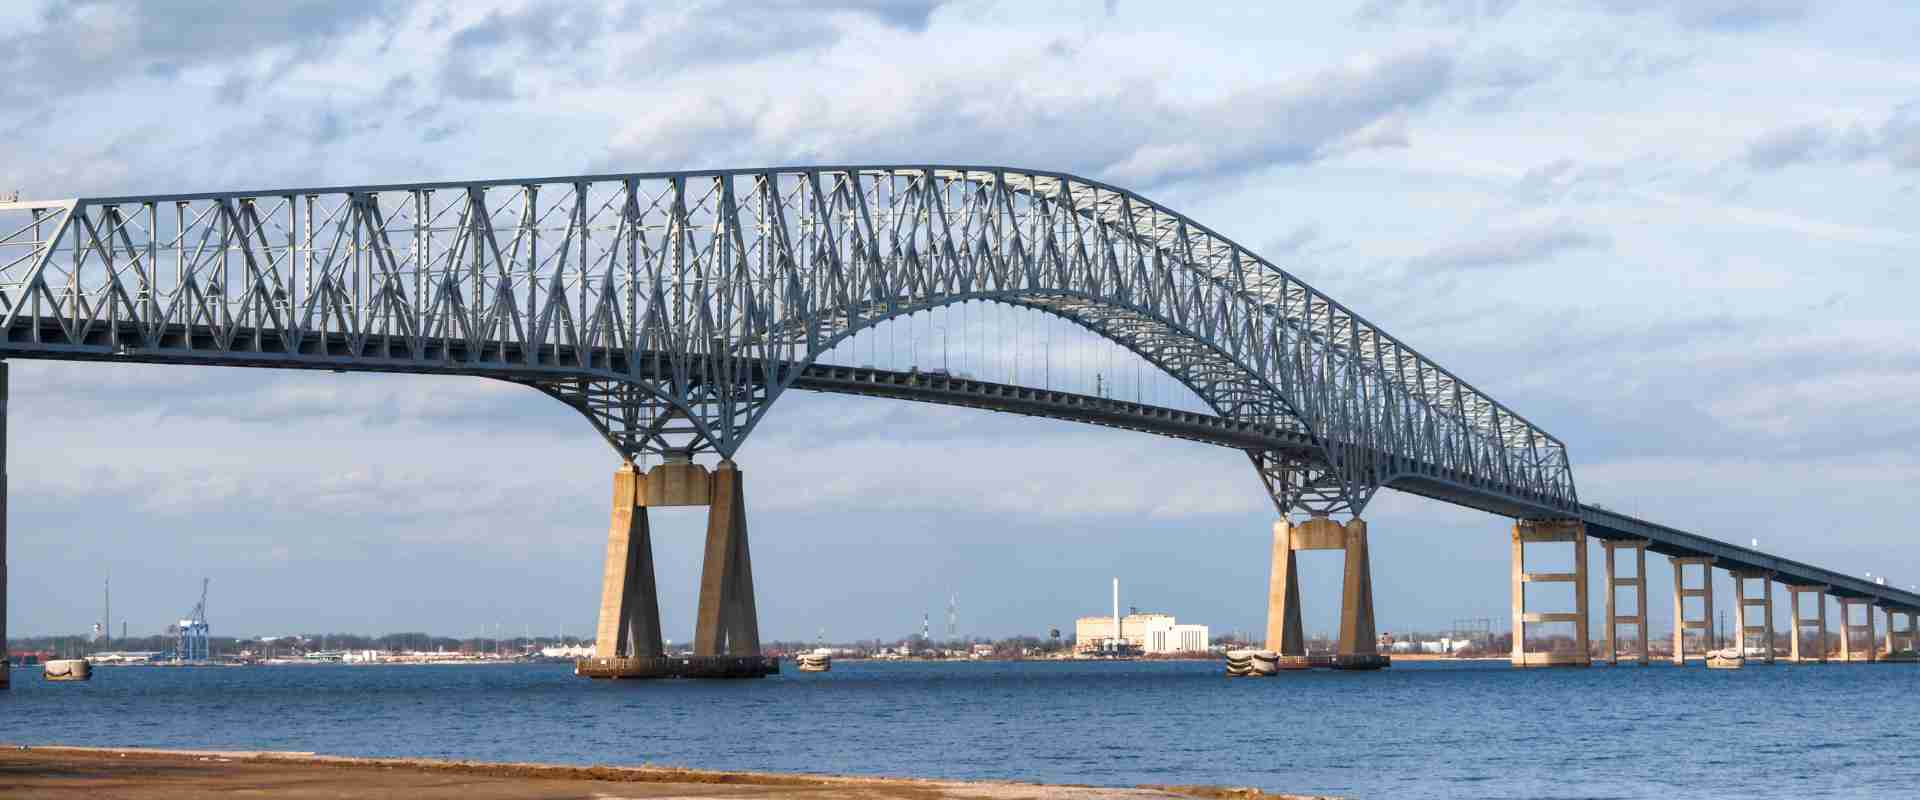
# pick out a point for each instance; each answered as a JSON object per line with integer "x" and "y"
{"x": 673, "y": 309}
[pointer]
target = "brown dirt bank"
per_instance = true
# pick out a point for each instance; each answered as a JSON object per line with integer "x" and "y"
{"x": 72, "y": 772}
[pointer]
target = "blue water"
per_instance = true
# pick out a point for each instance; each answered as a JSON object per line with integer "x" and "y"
{"x": 1416, "y": 730}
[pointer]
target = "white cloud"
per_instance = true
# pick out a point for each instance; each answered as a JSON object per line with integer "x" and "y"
{"x": 1718, "y": 15}
{"x": 968, "y": 112}
{"x": 1511, "y": 247}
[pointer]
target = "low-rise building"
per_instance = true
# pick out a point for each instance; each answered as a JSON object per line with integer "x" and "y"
{"x": 1150, "y": 633}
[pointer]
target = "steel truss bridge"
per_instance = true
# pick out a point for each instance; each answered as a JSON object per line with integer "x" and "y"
{"x": 672, "y": 309}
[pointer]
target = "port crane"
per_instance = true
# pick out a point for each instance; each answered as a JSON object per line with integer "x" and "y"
{"x": 190, "y": 634}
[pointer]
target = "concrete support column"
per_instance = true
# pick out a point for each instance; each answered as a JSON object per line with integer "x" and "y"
{"x": 1767, "y": 587}
{"x": 1542, "y": 531}
{"x": 727, "y": 622}
{"x": 1739, "y": 617}
{"x": 1359, "y": 645}
{"x": 1614, "y": 583}
{"x": 1848, "y": 628}
{"x": 1284, "y": 633}
{"x": 1680, "y": 594}
{"x": 1872, "y": 633}
{"x": 1803, "y": 651}
{"x": 629, "y": 604}
{"x": 1745, "y": 633}
{"x": 1846, "y": 631}
{"x": 1888, "y": 648}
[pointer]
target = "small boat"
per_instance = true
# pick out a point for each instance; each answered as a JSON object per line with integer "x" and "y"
{"x": 67, "y": 669}
{"x": 820, "y": 660}
{"x": 1725, "y": 659}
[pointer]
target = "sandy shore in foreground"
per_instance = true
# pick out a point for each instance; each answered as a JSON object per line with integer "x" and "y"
{"x": 71, "y": 772}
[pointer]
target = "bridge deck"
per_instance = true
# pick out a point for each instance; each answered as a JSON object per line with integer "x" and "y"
{"x": 1607, "y": 524}
{"x": 1202, "y": 427}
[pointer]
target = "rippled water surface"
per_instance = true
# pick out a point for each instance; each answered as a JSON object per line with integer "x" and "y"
{"x": 1416, "y": 730}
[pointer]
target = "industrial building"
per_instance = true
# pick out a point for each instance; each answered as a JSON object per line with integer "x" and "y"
{"x": 1151, "y": 633}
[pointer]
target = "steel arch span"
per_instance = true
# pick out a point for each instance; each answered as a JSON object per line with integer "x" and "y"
{"x": 672, "y": 309}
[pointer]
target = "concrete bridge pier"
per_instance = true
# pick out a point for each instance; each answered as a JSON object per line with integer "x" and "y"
{"x": 1284, "y": 635}
{"x": 1681, "y": 624}
{"x": 1897, "y": 637}
{"x": 1638, "y": 619}
{"x": 1358, "y": 646}
{"x": 629, "y": 604}
{"x": 726, "y": 629}
{"x": 1848, "y": 628}
{"x": 1574, "y": 532}
{"x": 1803, "y": 651}
{"x": 1743, "y": 601}
{"x": 727, "y": 622}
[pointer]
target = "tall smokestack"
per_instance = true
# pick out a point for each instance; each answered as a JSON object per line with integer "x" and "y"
{"x": 1117, "y": 638}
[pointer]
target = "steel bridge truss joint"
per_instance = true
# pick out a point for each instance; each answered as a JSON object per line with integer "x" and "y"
{"x": 1301, "y": 483}
{"x": 641, "y": 418}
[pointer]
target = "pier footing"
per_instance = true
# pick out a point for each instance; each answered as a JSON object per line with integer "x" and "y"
{"x": 1360, "y": 663}
{"x": 655, "y": 667}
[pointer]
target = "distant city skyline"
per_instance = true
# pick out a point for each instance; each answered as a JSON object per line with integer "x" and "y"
{"x": 1678, "y": 238}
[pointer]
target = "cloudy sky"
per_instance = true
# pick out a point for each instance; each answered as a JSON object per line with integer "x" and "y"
{"x": 1679, "y": 236}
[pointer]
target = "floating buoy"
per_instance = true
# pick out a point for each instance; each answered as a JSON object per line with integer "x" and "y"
{"x": 67, "y": 669}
